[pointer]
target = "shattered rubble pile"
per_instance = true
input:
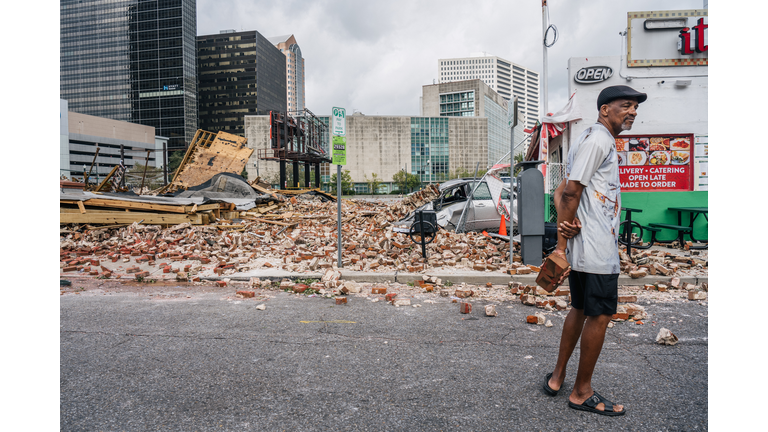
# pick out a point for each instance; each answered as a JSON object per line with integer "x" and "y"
{"x": 488, "y": 295}
{"x": 297, "y": 232}
{"x": 651, "y": 262}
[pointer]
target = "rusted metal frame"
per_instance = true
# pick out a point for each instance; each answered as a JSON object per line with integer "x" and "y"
{"x": 88, "y": 175}
{"x": 144, "y": 175}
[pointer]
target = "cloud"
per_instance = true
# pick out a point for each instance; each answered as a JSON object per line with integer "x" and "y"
{"x": 375, "y": 56}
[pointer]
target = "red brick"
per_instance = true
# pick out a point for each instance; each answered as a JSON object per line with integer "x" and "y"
{"x": 93, "y": 273}
{"x": 69, "y": 269}
{"x": 462, "y": 293}
{"x": 341, "y": 300}
{"x": 106, "y": 274}
{"x": 133, "y": 270}
{"x": 378, "y": 290}
{"x": 142, "y": 274}
{"x": 299, "y": 288}
{"x": 622, "y": 316}
{"x": 465, "y": 308}
{"x": 95, "y": 262}
{"x": 221, "y": 283}
{"x": 247, "y": 294}
{"x": 166, "y": 269}
{"x": 532, "y": 319}
{"x": 391, "y": 296}
{"x": 628, "y": 299}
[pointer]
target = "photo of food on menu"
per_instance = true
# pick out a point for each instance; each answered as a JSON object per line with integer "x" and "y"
{"x": 653, "y": 151}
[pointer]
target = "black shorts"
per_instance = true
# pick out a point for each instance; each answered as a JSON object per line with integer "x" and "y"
{"x": 595, "y": 294}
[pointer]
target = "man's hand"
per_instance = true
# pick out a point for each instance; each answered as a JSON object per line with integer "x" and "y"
{"x": 570, "y": 229}
{"x": 561, "y": 254}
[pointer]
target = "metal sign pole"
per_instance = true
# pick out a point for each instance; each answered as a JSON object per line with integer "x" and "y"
{"x": 339, "y": 152}
{"x": 338, "y": 200}
{"x": 512, "y": 125}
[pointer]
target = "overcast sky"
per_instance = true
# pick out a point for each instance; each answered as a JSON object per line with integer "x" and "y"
{"x": 374, "y": 56}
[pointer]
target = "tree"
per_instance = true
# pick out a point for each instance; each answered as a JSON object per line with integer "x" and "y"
{"x": 518, "y": 159}
{"x": 244, "y": 174}
{"x": 406, "y": 181}
{"x": 174, "y": 160}
{"x": 153, "y": 176}
{"x": 373, "y": 183}
{"x": 464, "y": 173}
{"x": 346, "y": 183}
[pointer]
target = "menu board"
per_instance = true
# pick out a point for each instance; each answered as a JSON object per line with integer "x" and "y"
{"x": 701, "y": 160}
{"x": 655, "y": 162}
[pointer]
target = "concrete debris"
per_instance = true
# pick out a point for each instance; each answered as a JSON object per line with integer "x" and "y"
{"x": 401, "y": 302}
{"x": 490, "y": 310}
{"x": 261, "y": 307}
{"x": 666, "y": 337}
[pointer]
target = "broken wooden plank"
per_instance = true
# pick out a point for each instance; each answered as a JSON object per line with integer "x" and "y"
{"x": 128, "y": 218}
{"x": 100, "y": 202}
{"x": 273, "y": 222}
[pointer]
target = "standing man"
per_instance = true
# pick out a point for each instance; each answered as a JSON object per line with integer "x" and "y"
{"x": 592, "y": 195}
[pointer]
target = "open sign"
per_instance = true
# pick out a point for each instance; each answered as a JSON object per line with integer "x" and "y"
{"x": 593, "y": 74}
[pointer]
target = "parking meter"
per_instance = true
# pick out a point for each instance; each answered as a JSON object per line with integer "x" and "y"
{"x": 530, "y": 212}
{"x": 425, "y": 226}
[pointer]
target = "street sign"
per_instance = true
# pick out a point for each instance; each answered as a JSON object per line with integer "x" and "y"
{"x": 512, "y": 113}
{"x": 339, "y": 122}
{"x": 339, "y": 150}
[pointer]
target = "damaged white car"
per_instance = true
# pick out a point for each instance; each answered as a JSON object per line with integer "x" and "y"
{"x": 481, "y": 213}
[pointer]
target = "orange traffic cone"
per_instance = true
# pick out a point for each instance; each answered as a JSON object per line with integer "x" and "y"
{"x": 503, "y": 227}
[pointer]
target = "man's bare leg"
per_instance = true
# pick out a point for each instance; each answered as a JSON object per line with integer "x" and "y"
{"x": 592, "y": 339}
{"x": 572, "y": 328}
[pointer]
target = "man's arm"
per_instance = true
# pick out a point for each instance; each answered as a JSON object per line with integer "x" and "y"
{"x": 568, "y": 229}
{"x": 567, "y": 202}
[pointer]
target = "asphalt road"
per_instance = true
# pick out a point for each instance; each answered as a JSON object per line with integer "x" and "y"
{"x": 182, "y": 359}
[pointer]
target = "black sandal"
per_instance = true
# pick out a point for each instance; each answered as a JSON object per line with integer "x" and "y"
{"x": 547, "y": 388}
{"x": 590, "y": 405}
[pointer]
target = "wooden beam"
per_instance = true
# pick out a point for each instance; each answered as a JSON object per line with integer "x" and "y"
{"x": 99, "y": 202}
{"x": 128, "y": 218}
{"x": 81, "y": 206}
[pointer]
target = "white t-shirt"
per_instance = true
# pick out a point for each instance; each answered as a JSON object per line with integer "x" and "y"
{"x": 593, "y": 162}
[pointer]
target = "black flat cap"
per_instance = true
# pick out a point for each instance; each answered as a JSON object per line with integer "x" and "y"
{"x": 619, "y": 92}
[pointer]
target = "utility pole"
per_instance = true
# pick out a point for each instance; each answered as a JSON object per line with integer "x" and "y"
{"x": 544, "y": 46}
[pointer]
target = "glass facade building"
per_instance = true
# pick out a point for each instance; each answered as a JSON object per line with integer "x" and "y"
{"x": 429, "y": 148}
{"x": 458, "y": 104}
{"x": 239, "y": 74}
{"x": 504, "y": 77}
{"x": 132, "y": 60}
{"x": 294, "y": 69}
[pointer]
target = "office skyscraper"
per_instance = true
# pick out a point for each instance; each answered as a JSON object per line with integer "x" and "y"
{"x": 240, "y": 73}
{"x": 506, "y": 78}
{"x": 132, "y": 60}
{"x": 294, "y": 69}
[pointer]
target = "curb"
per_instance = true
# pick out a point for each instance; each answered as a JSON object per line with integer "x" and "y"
{"x": 470, "y": 278}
